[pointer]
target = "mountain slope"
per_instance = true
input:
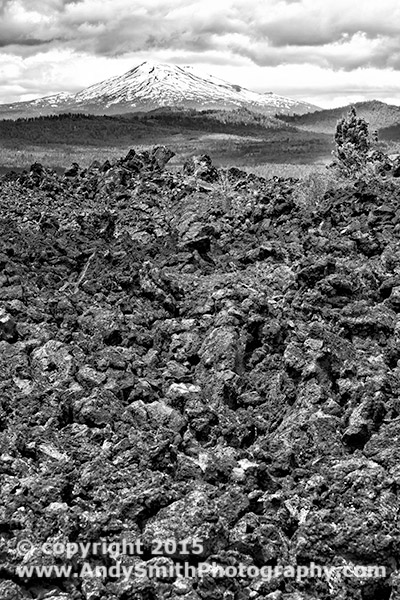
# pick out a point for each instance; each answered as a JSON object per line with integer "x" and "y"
{"x": 153, "y": 85}
{"x": 378, "y": 114}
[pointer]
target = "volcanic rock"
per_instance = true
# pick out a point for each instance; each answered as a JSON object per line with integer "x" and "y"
{"x": 223, "y": 377}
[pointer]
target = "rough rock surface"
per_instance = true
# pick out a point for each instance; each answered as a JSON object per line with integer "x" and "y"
{"x": 182, "y": 359}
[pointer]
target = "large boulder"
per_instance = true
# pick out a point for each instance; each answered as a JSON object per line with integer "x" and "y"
{"x": 201, "y": 167}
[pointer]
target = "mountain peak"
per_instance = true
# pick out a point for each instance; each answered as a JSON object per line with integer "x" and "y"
{"x": 151, "y": 85}
{"x": 149, "y": 66}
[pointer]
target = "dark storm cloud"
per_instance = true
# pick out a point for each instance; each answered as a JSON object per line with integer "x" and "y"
{"x": 330, "y": 33}
{"x": 354, "y": 54}
{"x": 313, "y": 28}
{"x": 22, "y": 42}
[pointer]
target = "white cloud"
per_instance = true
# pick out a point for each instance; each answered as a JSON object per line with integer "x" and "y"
{"x": 307, "y": 48}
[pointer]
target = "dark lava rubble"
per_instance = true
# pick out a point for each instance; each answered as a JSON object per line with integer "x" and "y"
{"x": 196, "y": 355}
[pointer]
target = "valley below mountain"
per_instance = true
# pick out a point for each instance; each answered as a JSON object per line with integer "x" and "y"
{"x": 237, "y": 137}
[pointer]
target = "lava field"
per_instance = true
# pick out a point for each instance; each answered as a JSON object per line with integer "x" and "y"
{"x": 198, "y": 356}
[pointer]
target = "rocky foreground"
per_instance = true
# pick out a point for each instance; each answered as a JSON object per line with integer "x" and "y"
{"x": 198, "y": 357}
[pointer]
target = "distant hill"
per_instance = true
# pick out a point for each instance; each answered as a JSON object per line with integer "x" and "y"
{"x": 378, "y": 114}
{"x": 240, "y": 120}
{"x": 94, "y": 130}
{"x": 153, "y": 85}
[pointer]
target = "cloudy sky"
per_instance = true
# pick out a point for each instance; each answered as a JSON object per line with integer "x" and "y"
{"x": 329, "y": 52}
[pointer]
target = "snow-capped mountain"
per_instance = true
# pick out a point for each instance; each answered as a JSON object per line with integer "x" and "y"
{"x": 153, "y": 85}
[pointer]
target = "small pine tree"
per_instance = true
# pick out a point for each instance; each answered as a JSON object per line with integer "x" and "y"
{"x": 352, "y": 143}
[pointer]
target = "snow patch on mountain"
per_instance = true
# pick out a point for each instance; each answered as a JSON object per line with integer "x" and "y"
{"x": 171, "y": 85}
